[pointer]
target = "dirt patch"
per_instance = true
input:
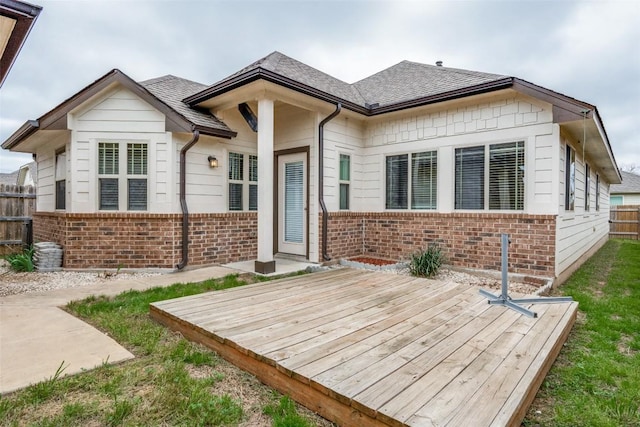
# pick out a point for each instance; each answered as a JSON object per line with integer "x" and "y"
{"x": 624, "y": 346}
{"x": 372, "y": 261}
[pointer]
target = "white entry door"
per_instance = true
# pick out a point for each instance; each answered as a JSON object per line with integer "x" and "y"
{"x": 292, "y": 204}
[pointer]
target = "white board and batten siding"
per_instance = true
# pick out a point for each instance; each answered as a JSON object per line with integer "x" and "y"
{"x": 580, "y": 230}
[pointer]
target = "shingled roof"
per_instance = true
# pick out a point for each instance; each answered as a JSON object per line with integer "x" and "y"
{"x": 410, "y": 80}
{"x": 396, "y": 85}
{"x": 172, "y": 90}
{"x": 630, "y": 184}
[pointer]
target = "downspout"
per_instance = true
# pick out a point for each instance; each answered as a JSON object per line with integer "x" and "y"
{"x": 183, "y": 199}
{"x": 325, "y": 214}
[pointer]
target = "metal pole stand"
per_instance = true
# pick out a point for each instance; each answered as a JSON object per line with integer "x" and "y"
{"x": 506, "y": 300}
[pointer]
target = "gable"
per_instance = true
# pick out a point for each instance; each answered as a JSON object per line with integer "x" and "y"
{"x": 119, "y": 109}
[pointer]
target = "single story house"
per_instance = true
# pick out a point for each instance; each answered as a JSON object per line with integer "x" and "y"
{"x": 626, "y": 193}
{"x": 281, "y": 158}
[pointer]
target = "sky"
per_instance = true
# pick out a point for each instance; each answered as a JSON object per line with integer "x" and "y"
{"x": 589, "y": 50}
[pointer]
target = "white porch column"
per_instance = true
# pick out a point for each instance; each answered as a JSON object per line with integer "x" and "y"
{"x": 265, "y": 263}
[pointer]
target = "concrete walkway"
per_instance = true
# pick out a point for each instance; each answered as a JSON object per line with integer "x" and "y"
{"x": 36, "y": 336}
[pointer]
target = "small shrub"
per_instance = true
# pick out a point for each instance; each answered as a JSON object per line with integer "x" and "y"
{"x": 21, "y": 262}
{"x": 426, "y": 263}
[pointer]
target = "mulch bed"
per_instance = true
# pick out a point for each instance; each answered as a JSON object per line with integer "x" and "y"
{"x": 372, "y": 261}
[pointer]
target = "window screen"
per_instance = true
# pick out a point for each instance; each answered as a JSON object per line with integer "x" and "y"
{"x": 108, "y": 193}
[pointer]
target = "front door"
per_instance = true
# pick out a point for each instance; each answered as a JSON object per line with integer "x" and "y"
{"x": 292, "y": 204}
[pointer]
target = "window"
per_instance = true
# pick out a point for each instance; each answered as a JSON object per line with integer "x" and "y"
{"x": 61, "y": 179}
{"x": 416, "y": 181}
{"x": 116, "y": 189}
{"x": 243, "y": 182}
{"x": 597, "y": 192}
{"x": 345, "y": 180}
{"x": 587, "y": 187}
{"x": 570, "y": 179}
{"x": 469, "y": 185}
{"x": 424, "y": 180}
{"x": 505, "y": 177}
{"x": 616, "y": 200}
{"x": 397, "y": 176}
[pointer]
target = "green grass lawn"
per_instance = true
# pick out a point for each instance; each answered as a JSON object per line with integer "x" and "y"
{"x": 596, "y": 379}
{"x": 171, "y": 382}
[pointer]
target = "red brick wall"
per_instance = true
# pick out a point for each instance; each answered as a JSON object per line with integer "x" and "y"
{"x": 144, "y": 240}
{"x": 470, "y": 240}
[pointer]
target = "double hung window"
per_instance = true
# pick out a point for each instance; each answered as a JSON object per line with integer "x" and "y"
{"x": 122, "y": 179}
{"x": 243, "y": 182}
{"x": 412, "y": 178}
{"x": 498, "y": 171}
{"x": 345, "y": 180}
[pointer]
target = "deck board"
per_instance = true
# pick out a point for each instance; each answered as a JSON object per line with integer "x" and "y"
{"x": 371, "y": 348}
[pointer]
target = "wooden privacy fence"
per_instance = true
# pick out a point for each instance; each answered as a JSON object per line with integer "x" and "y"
{"x": 16, "y": 206}
{"x": 624, "y": 221}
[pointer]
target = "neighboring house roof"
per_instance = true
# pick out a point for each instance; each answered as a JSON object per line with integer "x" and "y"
{"x": 16, "y": 20}
{"x": 9, "y": 178}
{"x": 163, "y": 94}
{"x": 27, "y": 174}
{"x": 630, "y": 184}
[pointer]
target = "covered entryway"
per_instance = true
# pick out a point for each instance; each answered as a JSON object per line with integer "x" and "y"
{"x": 292, "y": 204}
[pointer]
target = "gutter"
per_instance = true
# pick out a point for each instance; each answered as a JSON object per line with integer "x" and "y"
{"x": 26, "y": 130}
{"x": 325, "y": 214}
{"x": 183, "y": 199}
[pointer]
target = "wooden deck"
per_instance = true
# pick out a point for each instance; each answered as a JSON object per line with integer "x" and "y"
{"x": 368, "y": 348}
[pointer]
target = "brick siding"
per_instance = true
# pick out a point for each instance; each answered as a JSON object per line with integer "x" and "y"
{"x": 470, "y": 240}
{"x": 145, "y": 240}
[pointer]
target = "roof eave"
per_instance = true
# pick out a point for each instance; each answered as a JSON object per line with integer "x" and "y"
{"x": 491, "y": 86}
{"x": 25, "y": 16}
{"x": 270, "y": 76}
{"x": 220, "y": 133}
{"x": 24, "y": 132}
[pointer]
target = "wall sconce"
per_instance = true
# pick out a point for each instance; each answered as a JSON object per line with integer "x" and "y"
{"x": 213, "y": 162}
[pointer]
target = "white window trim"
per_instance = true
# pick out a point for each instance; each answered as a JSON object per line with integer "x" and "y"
{"x": 122, "y": 176}
{"x": 487, "y": 180}
{"x": 409, "y": 155}
{"x": 348, "y": 182}
{"x": 245, "y": 180}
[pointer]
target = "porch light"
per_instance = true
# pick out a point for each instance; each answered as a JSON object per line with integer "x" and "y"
{"x": 213, "y": 162}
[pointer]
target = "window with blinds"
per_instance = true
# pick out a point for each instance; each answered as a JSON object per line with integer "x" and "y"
{"x": 424, "y": 180}
{"x": 294, "y": 202}
{"x": 469, "y": 178}
{"x": 345, "y": 180}
{"x": 61, "y": 180}
{"x": 397, "y": 179}
{"x": 587, "y": 187}
{"x": 506, "y": 176}
{"x": 570, "y": 179}
{"x": 416, "y": 181}
{"x": 134, "y": 184}
{"x": 243, "y": 182}
{"x": 108, "y": 158}
{"x": 253, "y": 183}
{"x": 597, "y": 192}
